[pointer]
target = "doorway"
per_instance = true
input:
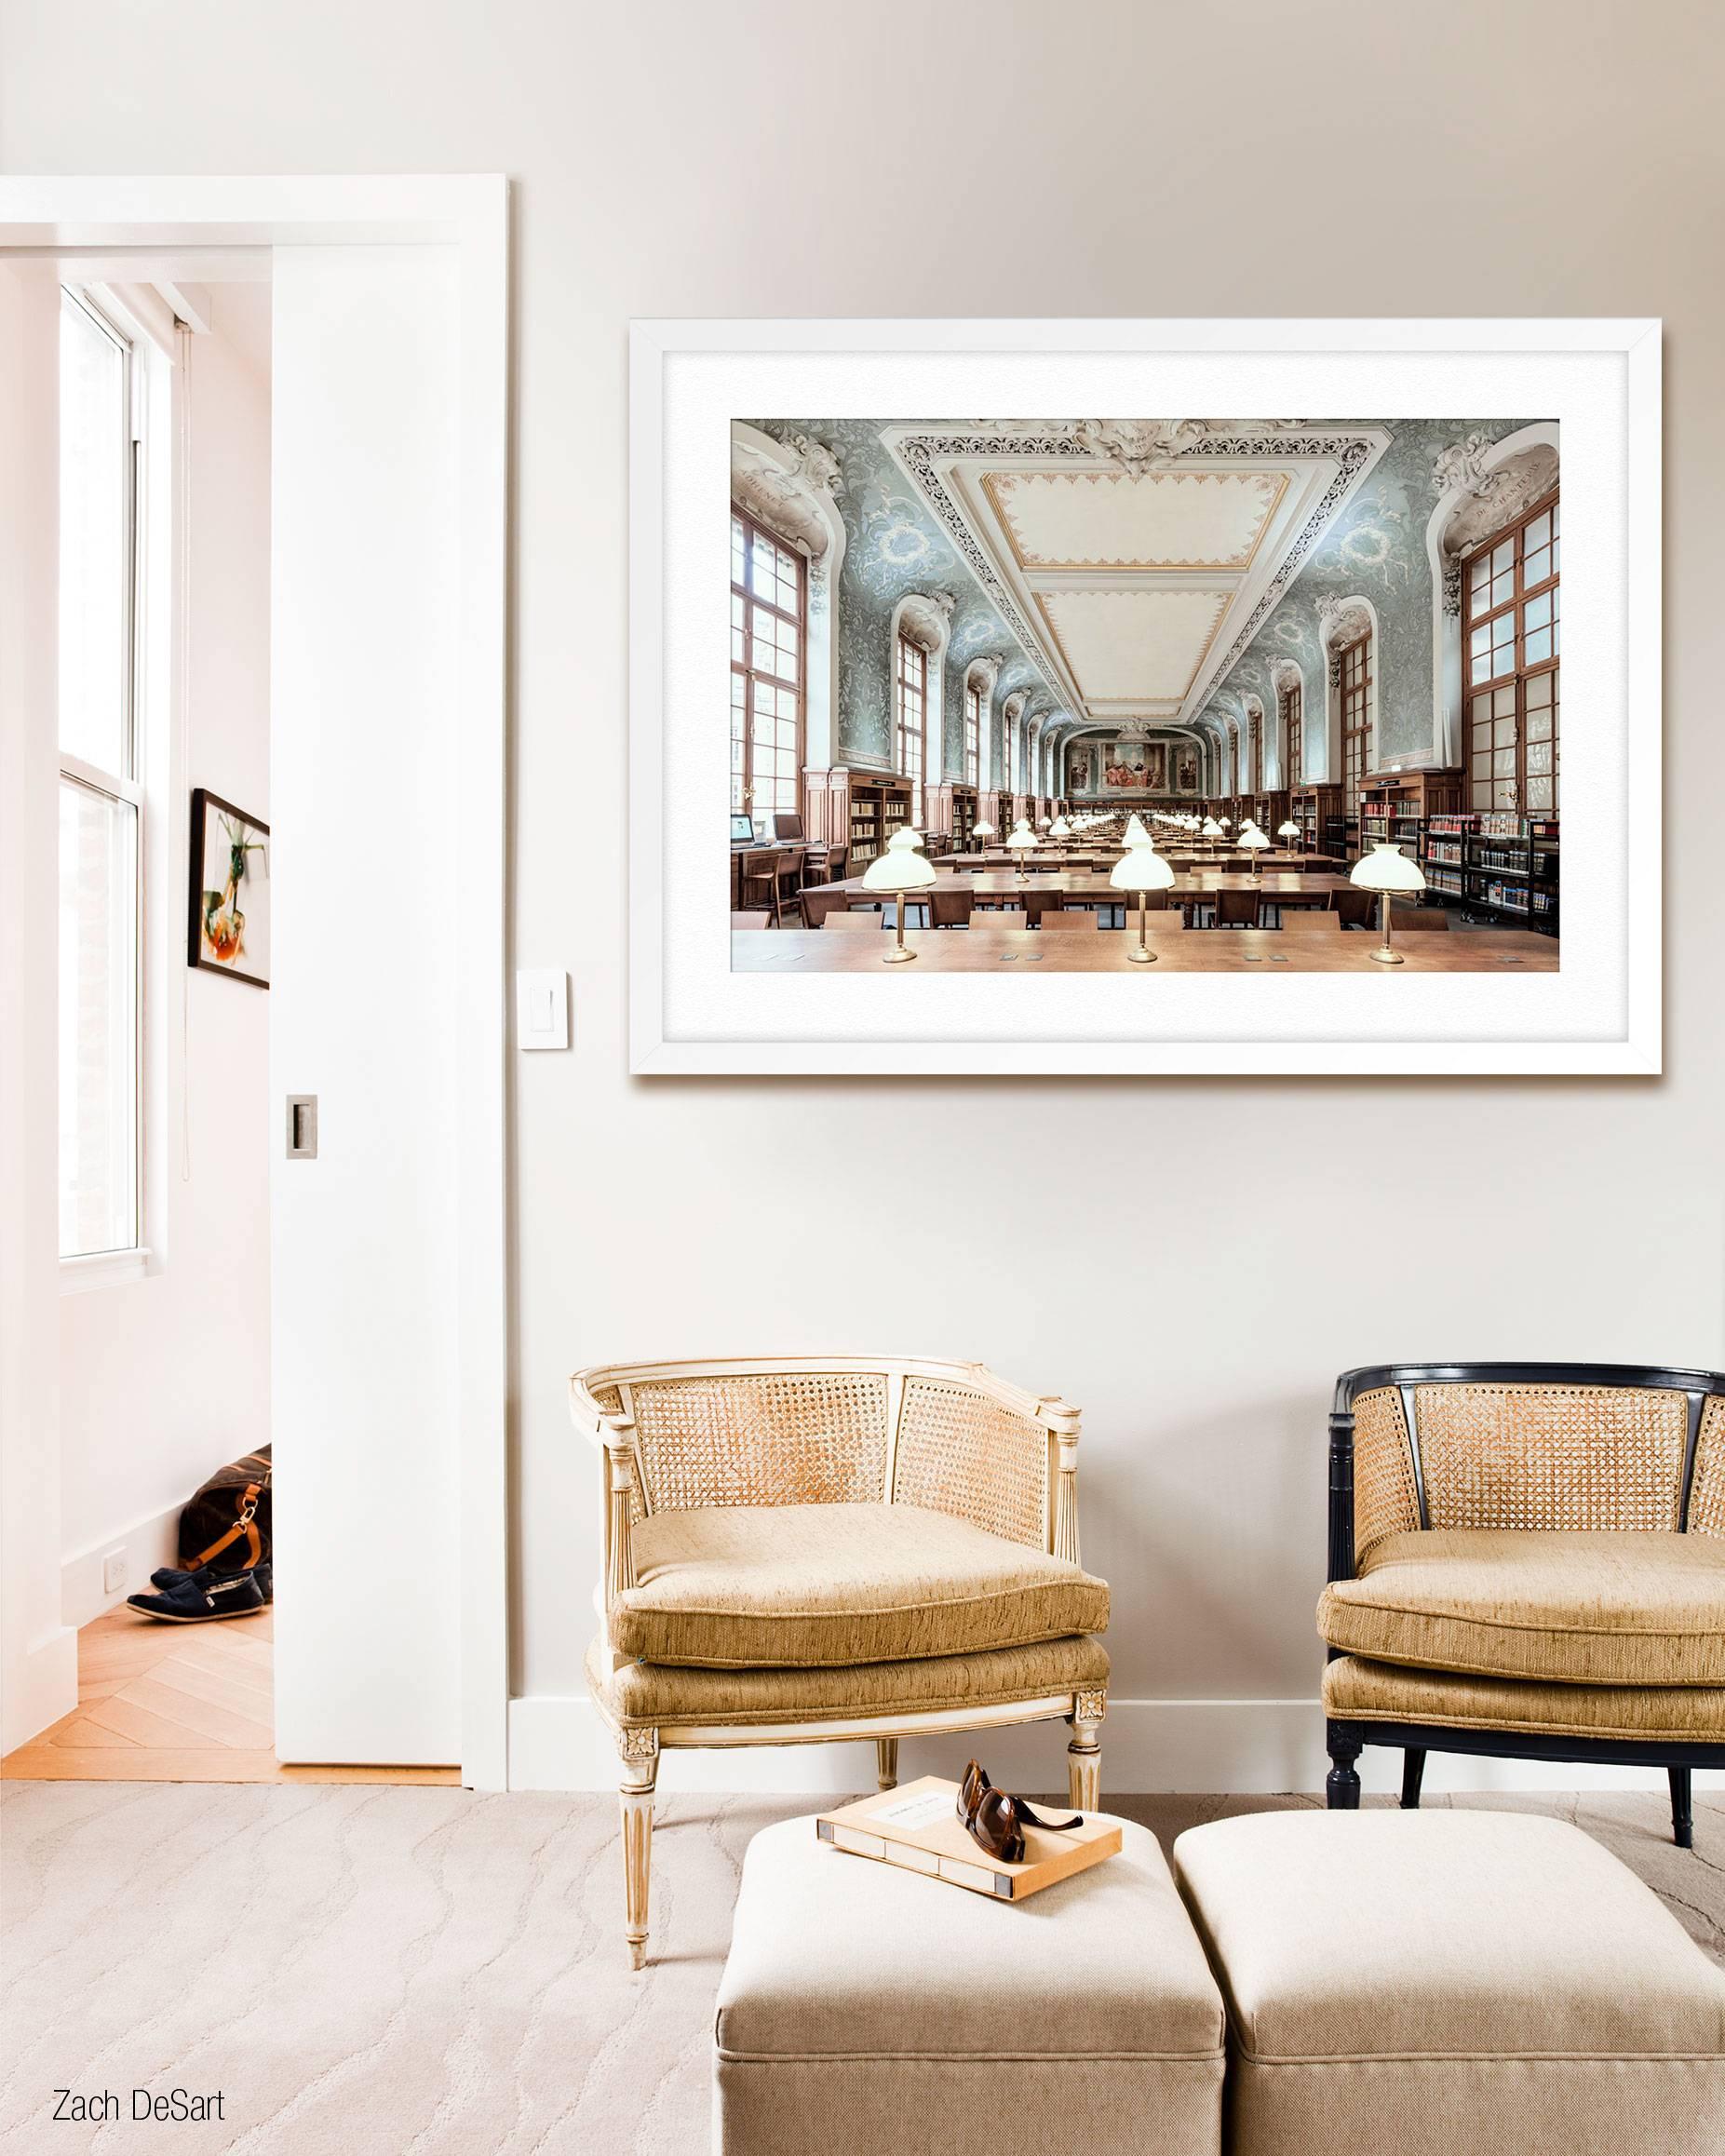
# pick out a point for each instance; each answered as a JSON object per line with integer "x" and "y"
{"x": 386, "y": 1650}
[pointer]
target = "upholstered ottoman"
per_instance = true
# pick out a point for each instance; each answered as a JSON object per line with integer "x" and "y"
{"x": 867, "y": 2011}
{"x": 1452, "y": 1984}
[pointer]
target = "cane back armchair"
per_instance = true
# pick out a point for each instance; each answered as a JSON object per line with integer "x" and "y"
{"x": 1527, "y": 1560}
{"x": 812, "y": 1549}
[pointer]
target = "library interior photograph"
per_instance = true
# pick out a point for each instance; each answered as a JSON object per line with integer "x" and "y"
{"x": 1216, "y": 694}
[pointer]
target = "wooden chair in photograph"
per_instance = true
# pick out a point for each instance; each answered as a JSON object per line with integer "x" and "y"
{"x": 772, "y": 877}
{"x": 1414, "y": 920}
{"x": 1071, "y": 917}
{"x": 750, "y": 919}
{"x": 1040, "y": 905}
{"x": 824, "y": 865}
{"x": 1355, "y": 908}
{"x": 829, "y": 1549}
{"x": 869, "y": 917}
{"x": 1002, "y": 917}
{"x": 817, "y": 903}
{"x": 951, "y": 908}
{"x": 1527, "y": 1561}
{"x": 1238, "y": 909}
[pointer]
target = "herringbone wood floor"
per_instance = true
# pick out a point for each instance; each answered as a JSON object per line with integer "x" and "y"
{"x": 178, "y": 1703}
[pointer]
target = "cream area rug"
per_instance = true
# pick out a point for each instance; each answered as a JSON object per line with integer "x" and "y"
{"x": 426, "y": 1972}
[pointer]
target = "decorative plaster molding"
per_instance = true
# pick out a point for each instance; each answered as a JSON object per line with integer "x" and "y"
{"x": 1136, "y": 444}
{"x": 1500, "y": 496}
{"x": 1340, "y": 621}
{"x": 1452, "y": 590}
{"x": 784, "y": 491}
{"x": 927, "y": 617}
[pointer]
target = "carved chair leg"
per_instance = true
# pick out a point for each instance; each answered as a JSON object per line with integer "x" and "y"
{"x": 1084, "y": 1755}
{"x": 1341, "y": 1790}
{"x": 638, "y": 1750}
{"x": 886, "y": 1762}
{"x": 1413, "y": 1774}
{"x": 1682, "y": 1814}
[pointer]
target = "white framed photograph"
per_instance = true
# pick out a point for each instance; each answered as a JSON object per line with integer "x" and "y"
{"x": 1323, "y": 737}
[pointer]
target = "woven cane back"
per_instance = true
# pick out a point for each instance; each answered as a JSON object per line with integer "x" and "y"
{"x": 1385, "y": 1498}
{"x": 1706, "y": 1496}
{"x": 815, "y": 1437}
{"x": 1552, "y": 1458}
{"x": 965, "y": 1455}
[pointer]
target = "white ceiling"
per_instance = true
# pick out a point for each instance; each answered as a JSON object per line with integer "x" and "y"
{"x": 1131, "y": 557}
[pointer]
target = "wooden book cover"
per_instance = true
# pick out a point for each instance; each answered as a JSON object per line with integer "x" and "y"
{"x": 918, "y": 1827}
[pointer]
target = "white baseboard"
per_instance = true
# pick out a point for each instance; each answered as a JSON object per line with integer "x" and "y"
{"x": 41, "y": 1687}
{"x": 1165, "y": 1745}
{"x": 147, "y": 1543}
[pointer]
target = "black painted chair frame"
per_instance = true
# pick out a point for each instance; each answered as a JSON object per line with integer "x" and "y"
{"x": 1344, "y": 1740}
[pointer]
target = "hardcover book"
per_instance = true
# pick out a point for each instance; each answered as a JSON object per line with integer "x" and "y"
{"x": 917, "y": 1826}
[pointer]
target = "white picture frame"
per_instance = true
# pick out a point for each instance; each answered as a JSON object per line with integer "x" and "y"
{"x": 1599, "y": 1014}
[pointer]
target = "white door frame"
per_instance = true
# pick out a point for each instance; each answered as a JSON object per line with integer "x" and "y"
{"x": 469, "y": 212}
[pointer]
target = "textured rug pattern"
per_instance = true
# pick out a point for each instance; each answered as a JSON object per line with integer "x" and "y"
{"x": 431, "y": 1973}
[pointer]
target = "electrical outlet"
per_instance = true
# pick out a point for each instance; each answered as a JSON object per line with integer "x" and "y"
{"x": 113, "y": 1572}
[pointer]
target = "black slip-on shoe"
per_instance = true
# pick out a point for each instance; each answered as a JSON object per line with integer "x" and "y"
{"x": 167, "y": 1577}
{"x": 198, "y": 1597}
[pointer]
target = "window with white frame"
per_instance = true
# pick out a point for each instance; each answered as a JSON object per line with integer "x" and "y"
{"x": 972, "y": 733}
{"x": 910, "y": 702}
{"x": 101, "y": 794}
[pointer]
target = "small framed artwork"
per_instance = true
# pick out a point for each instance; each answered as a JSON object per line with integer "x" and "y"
{"x": 1373, "y": 652}
{"x": 229, "y": 926}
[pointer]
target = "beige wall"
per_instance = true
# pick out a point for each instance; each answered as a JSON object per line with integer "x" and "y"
{"x": 989, "y": 160}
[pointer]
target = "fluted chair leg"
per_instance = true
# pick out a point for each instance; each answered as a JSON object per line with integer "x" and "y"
{"x": 1084, "y": 1755}
{"x": 1682, "y": 1814}
{"x": 886, "y": 1762}
{"x": 640, "y": 1752}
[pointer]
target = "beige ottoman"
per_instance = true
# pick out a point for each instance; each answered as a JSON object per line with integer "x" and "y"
{"x": 1452, "y": 1984}
{"x": 867, "y": 2011}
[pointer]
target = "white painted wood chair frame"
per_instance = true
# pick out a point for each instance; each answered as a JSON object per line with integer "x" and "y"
{"x": 613, "y": 1430}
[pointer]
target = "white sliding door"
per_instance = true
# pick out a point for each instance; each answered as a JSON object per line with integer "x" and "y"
{"x": 366, "y": 818}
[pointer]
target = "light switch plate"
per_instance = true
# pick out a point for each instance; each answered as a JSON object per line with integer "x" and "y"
{"x": 541, "y": 1009}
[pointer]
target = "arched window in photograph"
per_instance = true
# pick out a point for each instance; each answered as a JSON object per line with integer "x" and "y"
{"x": 768, "y": 619}
{"x": 1255, "y": 749}
{"x": 910, "y": 705}
{"x": 972, "y": 733}
{"x": 1354, "y": 661}
{"x": 1512, "y": 643}
{"x": 1290, "y": 703}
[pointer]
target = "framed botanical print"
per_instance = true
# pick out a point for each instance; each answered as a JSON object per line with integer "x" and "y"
{"x": 228, "y": 927}
{"x": 988, "y": 650}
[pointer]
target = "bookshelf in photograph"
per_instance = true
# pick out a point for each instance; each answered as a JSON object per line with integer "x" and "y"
{"x": 1320, "y": 812}
{"x": 879, "y": 807}
{"x": 963, "y": 817}
{"x": 1268, "y": 811}
{"x": 1396, "y": 805}
{"x": 1496, "y": 863}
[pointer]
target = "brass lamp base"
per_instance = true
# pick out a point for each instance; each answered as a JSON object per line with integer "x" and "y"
{"x": 1143, "y": 955}
{"x": 898, "y": 954}
{"x": 1385, "y": 956}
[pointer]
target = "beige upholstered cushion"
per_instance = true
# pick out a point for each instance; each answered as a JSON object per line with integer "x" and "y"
{"x": 1361, "y": 1690}
{"x": 1575, "y": 1608}
{"x": 1447, "y": 1982}
{"x": 647, "y": 1694}
{"x": 805, "y": 1585}
{"x": 867, "y": 2011}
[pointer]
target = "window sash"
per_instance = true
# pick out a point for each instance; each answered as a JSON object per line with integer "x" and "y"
{"x": 1355, "y": 660}
{"x": 1294, "y": 733}
{"x": 911, "y": 702}
{"x": 972, "y": 735}
{"x": 769, "y": 662}
{"x": 99, "y": 922}
{"x": 1509, "y": 614}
